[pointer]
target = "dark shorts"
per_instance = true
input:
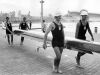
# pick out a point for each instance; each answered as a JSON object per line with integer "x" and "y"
{"x": 57, "y": 43}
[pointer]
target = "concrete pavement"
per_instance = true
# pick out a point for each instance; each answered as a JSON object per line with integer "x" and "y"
{"x": 24, "y": 60}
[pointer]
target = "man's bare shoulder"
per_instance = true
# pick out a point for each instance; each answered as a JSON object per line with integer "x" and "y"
{"x": 52, "y": 24}
{"x": 78, "y": 23}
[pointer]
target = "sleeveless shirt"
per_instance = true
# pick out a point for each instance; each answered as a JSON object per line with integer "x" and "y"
{"x": 82, "y": 30}
{"x": 58, "y": 36}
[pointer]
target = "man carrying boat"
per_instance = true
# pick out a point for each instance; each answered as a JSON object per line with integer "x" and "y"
{"x": 24, "y": 26}
{"x": 56, "y": 29}
{"x": 81, "y": 29}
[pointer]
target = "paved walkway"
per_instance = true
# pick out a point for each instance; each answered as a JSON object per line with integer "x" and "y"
{"x": 25, "y": 60}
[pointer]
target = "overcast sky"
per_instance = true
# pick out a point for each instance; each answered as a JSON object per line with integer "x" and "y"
{"x": 50, "y": 6}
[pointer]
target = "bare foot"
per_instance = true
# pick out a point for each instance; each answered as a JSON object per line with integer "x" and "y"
{"x": 79, "y": 66}
{"x": 57, "y": 71}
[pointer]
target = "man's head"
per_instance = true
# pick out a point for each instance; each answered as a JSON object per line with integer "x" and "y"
{"x": 57, "y": 16}
{"x": 24, "y": 18}
{"x": 7, "y": 18}
{"x": 84, "y": 14}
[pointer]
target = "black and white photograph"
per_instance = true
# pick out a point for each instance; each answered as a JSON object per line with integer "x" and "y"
{"x": 49, "y": 37}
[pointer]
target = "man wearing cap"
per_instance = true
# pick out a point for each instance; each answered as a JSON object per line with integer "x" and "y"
{"x": 24, "y": 26}
{"x": 56, "y": 29}
{"x": 81, "y": 29}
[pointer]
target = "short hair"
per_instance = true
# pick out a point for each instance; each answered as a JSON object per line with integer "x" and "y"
{"x": 24, "y": 18}
{"x": 7, "y": 17}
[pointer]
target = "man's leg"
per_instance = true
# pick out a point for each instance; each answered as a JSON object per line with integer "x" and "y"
{"x": 57, "y": 59}
{"x": 22, "y": 39}
{"x": 30, "y": 26}
{"x": 61, "y": 50}
{"x": 12, "y": 39}
{"x": 78, "y": 57}
{"x": 8, "y": 38}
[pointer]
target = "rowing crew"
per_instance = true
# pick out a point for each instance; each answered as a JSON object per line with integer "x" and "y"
{"x": 57, "y": 31}
{"x": 56, "y": 28}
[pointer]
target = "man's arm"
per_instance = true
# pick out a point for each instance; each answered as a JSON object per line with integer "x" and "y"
{"x": 8, "y": 28}
{"x": 89, "y": 30}
{"x": 6, "y": 25}
{"x": 3, "y": 24}
{"x": 44, "y": 27}
{"x": 27, "y": 25}
{"x": 11, "y": 26}
{"x": 77, "y": 30}
{"x": 20, "y": 25}
{"x": 46, "y": 34}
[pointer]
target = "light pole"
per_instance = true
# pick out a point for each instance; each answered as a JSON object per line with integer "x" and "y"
{"x": 42, "y": 12}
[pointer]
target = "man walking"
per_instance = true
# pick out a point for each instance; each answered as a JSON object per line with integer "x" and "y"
{"x": 81, "y": 29}
{"x": 24, "y": 26}
{"x": 56, "y": 28}
{"x": 9, "y": 32}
